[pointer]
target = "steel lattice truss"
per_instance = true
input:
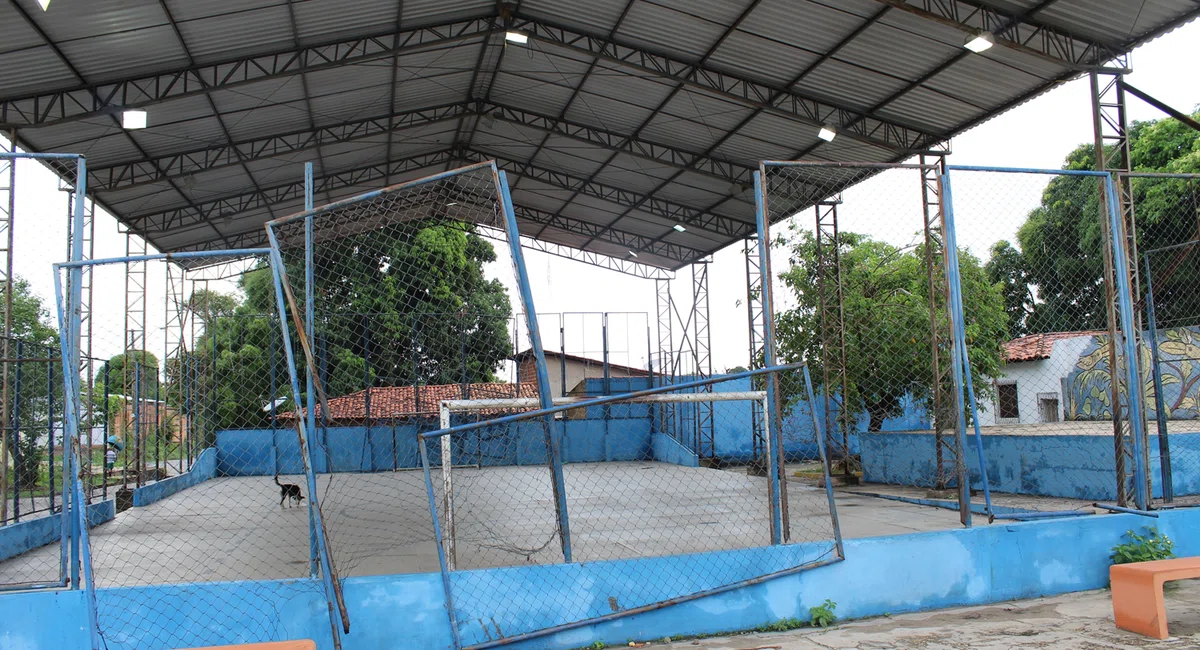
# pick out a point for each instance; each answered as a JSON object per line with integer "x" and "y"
{"x": 617, "y": 121}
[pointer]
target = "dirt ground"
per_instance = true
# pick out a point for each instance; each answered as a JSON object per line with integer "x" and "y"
{"x": 1081, "y": 621}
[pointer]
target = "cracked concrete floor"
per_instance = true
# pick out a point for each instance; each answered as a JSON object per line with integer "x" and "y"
{"x": 1080, "y": 621}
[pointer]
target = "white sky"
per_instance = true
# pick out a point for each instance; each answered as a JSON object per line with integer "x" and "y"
{"x": 1037, "y": 134}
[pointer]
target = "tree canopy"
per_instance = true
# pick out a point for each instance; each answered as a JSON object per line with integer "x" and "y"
{"x": 408, "y": 301}
{"x": 1052, "y": 277}
{"x": 34, "y": 337}
{"x": 885, "y": 295}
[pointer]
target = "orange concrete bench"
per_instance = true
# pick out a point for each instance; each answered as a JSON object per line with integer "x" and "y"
{"x": 1137, "y": 592}
{"x": 303, "y": 644}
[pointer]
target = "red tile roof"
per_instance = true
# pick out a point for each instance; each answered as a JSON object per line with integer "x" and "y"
{"x": 398, "y": 402}
{"x": 1038, "y": 346}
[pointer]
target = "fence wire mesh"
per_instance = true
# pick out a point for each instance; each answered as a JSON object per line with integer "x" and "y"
{"x": 634, "y": 492}
{"x": 860, "y": 292}
{"x": 166, "y": 507}
{"x": 1054, "y": 413}
{"x": 1167, "y": 210}
{"x": 411, "y": 304}
{"x": 35, "y": 473}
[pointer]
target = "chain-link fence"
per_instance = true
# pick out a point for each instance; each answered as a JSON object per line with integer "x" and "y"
{"x": 1054, "y": 412}
{"x": 34, "y": 476}
{"x": 411, "y": 318}
{"x": 185, "y": 439}
{"x": 634, "y": 492}
{"x": 860, "y": 291}
{"x": 1167, "y": 209}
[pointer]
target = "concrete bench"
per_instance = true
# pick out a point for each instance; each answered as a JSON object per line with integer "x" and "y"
{"x": 1137, "y": 593}
{"x": 302, "y": 644}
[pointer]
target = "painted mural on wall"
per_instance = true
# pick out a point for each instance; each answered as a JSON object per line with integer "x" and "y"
{"x": 1088, "y": 395}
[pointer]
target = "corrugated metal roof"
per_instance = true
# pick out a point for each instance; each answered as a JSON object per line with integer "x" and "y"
{"x": 681, "y": 96}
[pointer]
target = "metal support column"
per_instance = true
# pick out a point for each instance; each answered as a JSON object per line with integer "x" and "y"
{"x": 1111, "y": 147}
{"x": 754, "y": 310}
{"x": 702, "y": 354}
{"x": 86, "y": 368}
{"x": 949, "y": 459}
{"x": 8, "y": 192}
{"x": 832, "y": 323}
{"x": 135, "y": 294}
{"x": 173, "y": 349}
{"x": 666, "y": 357}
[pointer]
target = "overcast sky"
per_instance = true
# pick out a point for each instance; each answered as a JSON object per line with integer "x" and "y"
{"x": 1038, "y": 134}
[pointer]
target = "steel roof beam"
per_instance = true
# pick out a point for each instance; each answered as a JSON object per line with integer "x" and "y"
{"x": 152, "y": 170}
{"x": 781, "y": 101}
{"x": 629, "y": 240}
{"x": 91, "y": 100}
{"x": 725, "y": 170}
{"x": 205, "y": 212}
{"x": 628, "y": 267}
{"x": 1013, "y": 30}
{"x": 675, "y": 212}
{"x": 158, "y": 169}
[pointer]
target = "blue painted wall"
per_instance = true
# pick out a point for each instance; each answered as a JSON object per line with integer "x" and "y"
{"x": 1071, "y": 466}
{"x": 880, "y": 575}
{"x": 27, "y": 535}
{"x": 203, "y": 469}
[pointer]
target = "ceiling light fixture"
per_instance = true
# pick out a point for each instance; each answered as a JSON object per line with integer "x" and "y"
{"x": 679, "y": 228}
{"x": 133, "y": 119}
{"x": 516, "y": 37}
{"x": 632, "y": 254}
{"x": 451, "y": 204}
{"x": 44, "y": 4}
{"x": 827, "y": 133}
{"x": 979, "y": 41}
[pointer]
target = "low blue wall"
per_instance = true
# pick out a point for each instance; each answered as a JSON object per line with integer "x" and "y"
{"x": 880, "y": 575}
{"x": 1069, "y": 466}
{"x": 203, "y": 469}
{"x": 27, "y": 535}
{"x": 668, "y": 450}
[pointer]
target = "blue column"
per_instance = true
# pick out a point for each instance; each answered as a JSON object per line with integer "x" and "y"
{"x": 773, "y": 416}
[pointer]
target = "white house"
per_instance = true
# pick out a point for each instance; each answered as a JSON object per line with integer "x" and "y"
{"x": 1032, "y": 387}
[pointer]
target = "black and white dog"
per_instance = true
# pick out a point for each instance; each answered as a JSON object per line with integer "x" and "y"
{"x": 289, "y": 493}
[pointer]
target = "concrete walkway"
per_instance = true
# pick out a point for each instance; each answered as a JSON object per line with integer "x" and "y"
{"x": 1072, "y": 622}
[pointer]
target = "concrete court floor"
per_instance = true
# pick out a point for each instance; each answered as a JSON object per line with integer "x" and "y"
{"x": 233, "y": 528}
{"x": 1079, "y": 621}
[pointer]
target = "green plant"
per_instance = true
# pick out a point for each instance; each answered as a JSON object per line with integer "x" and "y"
{"x": 822, "y": 615}
{"x": 1143, "y": 548}
{"x": 599, "y": 645}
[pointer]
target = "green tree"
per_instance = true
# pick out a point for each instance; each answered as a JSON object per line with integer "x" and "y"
{"x": 34, "y": 337}
{"x": 885, "y": 296}
{"x": 1053, "y": 278}
{"x": 129, "y": 373}
{"x": 409, "y": 299}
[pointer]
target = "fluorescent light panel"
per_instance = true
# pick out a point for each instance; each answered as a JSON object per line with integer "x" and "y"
{"x": 679, "y": 228}
{"x": 979, "y": 42}
{"x": 516, "y": 37}
{"x": 827, "y": 133}
{"x": 133, "y": 119}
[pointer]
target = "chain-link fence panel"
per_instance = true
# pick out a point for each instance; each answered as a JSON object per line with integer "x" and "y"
{"x": 1055, "y": 414}
{"x": 1167, "y": 209}
{"x": 191, "y": 465}
{"x": 634, "y": 492}
{"x": 35, "y": 478}
{"x": 860, "y": 291}
{"x": 406, "y": 298}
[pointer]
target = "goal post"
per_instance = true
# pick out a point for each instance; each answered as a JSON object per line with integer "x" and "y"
{"x": 448, "y": 408}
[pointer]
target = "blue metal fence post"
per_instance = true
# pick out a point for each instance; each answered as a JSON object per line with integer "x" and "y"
{"x": 1160, "y": 407}
{"x": 553, "y": 427}
{"x": 963, "y": 370}
{"x": 14, "y": 441}
{"x": 772, "y": 417}
{"x": 447, "y": 593}
{"x": 317, "y": 529}
{"x": 309, "y": 328}
{"x": 819, "y": 432}
{"x": 1133, "y": 392}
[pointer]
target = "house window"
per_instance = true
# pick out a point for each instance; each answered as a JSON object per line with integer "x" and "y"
{"x": 1006, "y": 398}
{"x": 1048, "y": 406}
